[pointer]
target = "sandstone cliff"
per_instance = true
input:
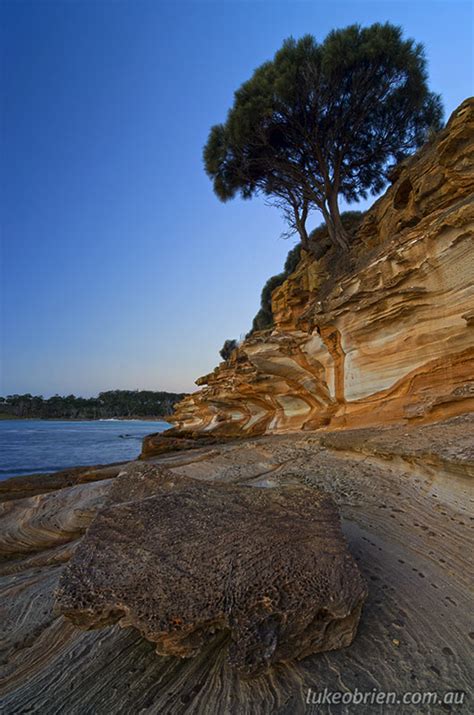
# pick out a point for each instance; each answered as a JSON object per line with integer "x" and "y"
{"x": 388, "y": 338}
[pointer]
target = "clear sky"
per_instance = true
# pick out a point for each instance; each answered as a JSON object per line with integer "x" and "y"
{"x": 120, "y": 268}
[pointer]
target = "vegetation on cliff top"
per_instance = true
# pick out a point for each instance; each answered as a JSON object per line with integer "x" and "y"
{"x": 228, "y": 348}
{"x": 113, "y": 403}
{"x": 321, "y": 121}
{"x": 319, "y": 242}
{"x": 264, "y": 317}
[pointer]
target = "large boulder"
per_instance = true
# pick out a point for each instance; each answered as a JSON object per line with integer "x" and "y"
{"x": 180, "y": 559}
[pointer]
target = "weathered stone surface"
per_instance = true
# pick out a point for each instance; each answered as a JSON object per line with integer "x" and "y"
{"x": 173, "y": 440}
{"x": 390, "y": 341}
{"x": 404, "y": 495}
{"x": 180, "y": 559}
{"x": 26, "y": 523}
{"x": 29, "y": 485}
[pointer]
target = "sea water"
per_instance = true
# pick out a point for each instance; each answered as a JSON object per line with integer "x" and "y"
{"x": 28, "y": 446}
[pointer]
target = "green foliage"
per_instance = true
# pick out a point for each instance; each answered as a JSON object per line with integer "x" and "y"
{"x": 319, "y": 243}
{"x": 292, "y": 259}
{"x": 262, "y": 321}
{"x": 264, "y": 317}
{"x": 113, "y": 403}
{"x": 324, "y": 120}
{"x": 227, "y": 349}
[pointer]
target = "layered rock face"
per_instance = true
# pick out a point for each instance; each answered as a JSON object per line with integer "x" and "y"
{"x": 390, "y": 340}
{"x": 173, "y": 558}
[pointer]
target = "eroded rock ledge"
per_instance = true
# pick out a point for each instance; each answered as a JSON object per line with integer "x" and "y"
{"x": 180, "y": 559}
{"x": 391, "y": 341}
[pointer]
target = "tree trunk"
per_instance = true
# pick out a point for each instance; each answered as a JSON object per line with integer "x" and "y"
{"x": 300, "y": 223}
{"x": 303, "y": 237}
{"x": 340, "y": 234}
{"x": 330, "y": 226}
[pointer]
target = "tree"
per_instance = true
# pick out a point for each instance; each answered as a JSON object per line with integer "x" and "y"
{"x": 321, "y": 121}
{"x": 227, "y": 349}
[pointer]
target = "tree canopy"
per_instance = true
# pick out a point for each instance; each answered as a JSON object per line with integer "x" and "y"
{"x": 321, "y": 121}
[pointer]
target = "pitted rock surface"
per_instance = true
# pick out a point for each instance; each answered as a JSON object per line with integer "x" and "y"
{"x": 180, "y": 559}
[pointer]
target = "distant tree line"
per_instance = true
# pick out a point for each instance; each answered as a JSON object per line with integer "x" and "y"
{"x": 113, "y": 403}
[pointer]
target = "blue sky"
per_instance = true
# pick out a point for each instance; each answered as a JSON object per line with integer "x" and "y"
{"x": 120, "y": 268}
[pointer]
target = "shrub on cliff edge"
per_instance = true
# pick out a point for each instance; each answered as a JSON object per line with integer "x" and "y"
{"x": 227, "y": 349}
{"x": 318, "y": 245}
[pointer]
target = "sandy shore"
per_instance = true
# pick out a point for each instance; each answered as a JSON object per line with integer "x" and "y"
{"x": 405, "y": 498}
